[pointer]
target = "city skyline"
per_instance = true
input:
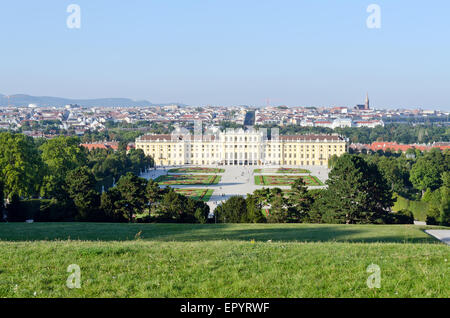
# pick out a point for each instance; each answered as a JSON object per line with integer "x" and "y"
{"x": 11, "y": 101}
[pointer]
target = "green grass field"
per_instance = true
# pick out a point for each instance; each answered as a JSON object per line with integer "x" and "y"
{"x": 248, "y": 260}
{"x": 286, "y": 180}
{"x": 196, "y": 170}
{"x": 197, "y": 194}
{"x": 188, "y": 179}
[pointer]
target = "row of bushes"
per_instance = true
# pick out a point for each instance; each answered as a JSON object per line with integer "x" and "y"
{"x": 39, "y": 210}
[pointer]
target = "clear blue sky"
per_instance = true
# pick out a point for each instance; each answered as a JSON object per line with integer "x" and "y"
{"x": 230, "y": 51}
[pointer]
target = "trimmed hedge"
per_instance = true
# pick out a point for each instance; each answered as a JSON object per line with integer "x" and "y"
{"x": 418, "y": 208}
{"x": 39, "y": 211}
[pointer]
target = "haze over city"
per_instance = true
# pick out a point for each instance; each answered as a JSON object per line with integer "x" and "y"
{"x": 295, "y": 53}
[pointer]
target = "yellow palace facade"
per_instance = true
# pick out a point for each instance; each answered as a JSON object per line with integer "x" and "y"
{"x": 241, "y": 147}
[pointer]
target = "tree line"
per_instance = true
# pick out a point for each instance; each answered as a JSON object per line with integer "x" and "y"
{"x": 65, "y": 182}
{"x": 418, "y": 176}
{"x": 40, "y": 172}
{"x": 361, "y": 189}
{"x": 403, "y": 133}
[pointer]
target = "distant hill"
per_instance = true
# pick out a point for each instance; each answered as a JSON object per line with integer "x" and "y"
{"x": 25, "y": 100}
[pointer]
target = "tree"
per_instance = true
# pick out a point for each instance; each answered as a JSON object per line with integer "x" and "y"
{"x": 20, "y": 165}
{"x": 445, "y": 206}
{"x": 200, "y": 216}
{"x": 426, "y": 172}
{"x": 2, "y": 200}
{"x": 315, "y": 214}
{"x": 113, "y": 206}
{"x": 300, "y": 201}
{"x": 446, "y": 179}
{"x": 153, "y": 193}
{"x": 433, "y": 215}
{"x": 401, "y": 217}
{"x": 254, "y": 209}
{"x": 80, "y": 185}
{"x": 233, "y": 210}
{"x": 357, "y": 192}
{"x": 196, "y": 211}
{"x": 60, "y": 155}
{"x": 391, "y": 170}
{"x": 332, "y": 161}
{"x": 172, "y": 206}
{"x": 132, "y": 195}
{"x": 278, "y": 212}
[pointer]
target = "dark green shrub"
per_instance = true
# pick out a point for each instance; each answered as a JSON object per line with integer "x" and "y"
{"x": 20, "y": 211}
{"x": 401, "y": 217}
{"x": 433, "y": 216}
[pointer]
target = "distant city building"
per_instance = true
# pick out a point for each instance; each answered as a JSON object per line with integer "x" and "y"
{"x": 366, "y": 105}
{"x": 393, "y": 146}
{"x": 369, "y": 123}
{"x": 342, "y": 123}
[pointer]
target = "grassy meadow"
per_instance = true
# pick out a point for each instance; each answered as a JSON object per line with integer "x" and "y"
{"x": 226, "y": 260}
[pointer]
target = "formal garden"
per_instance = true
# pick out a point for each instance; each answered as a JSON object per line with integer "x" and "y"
{"x": 282, "y": 170}
{"x": 188, "y": 179}
{"x": 311, "y": 181}
{"x": 196, "y": 170}
{"x": 196, "y": 194}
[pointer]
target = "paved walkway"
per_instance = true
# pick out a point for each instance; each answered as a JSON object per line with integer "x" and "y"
{"x": 237, "y": 180}
{"x": 442, "y": 235}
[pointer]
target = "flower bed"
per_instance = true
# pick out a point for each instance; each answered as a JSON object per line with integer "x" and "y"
{"x": 188, "y": 179}
{"x": 281, "y": 170}
{"x": 196, "y": 170}
{"x": 311, "y": 181}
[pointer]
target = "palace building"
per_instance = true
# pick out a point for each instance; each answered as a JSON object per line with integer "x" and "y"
{"x": 241, "y": 147}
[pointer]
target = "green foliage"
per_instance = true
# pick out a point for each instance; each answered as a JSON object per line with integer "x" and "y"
{"x": 2, "y": 200}
{"x": 20, "y": 165}
{"x": 254, "y": 207}
{"x": 300, "y": 201}
{"x": 402, "y": 133}
{"x": 401, "y": 217}
{"x": 132, "y": 195}
{"x": 60, "y": 155}
{"x": 445, "y": 206}
{"x": 357, "y": 192}
{"x": 433, "y": 215}
{"x": 174, "y": 207}
{"x": 427, "y": 172}
{"x": 112, "y": 206}
{"x": 108, "y": 166}
{"x": 56, "y": 211}
{"x": 418, "y": 208}
{"x": 438, "y": 212}
{"x": 80, "y": 185}
{"x": 278, "y": 212}
{"x": 16, "y": 210}
{"x": 234, "y": 210}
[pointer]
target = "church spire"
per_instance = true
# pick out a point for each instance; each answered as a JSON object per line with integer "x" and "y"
{"x": 367, "y": 105}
